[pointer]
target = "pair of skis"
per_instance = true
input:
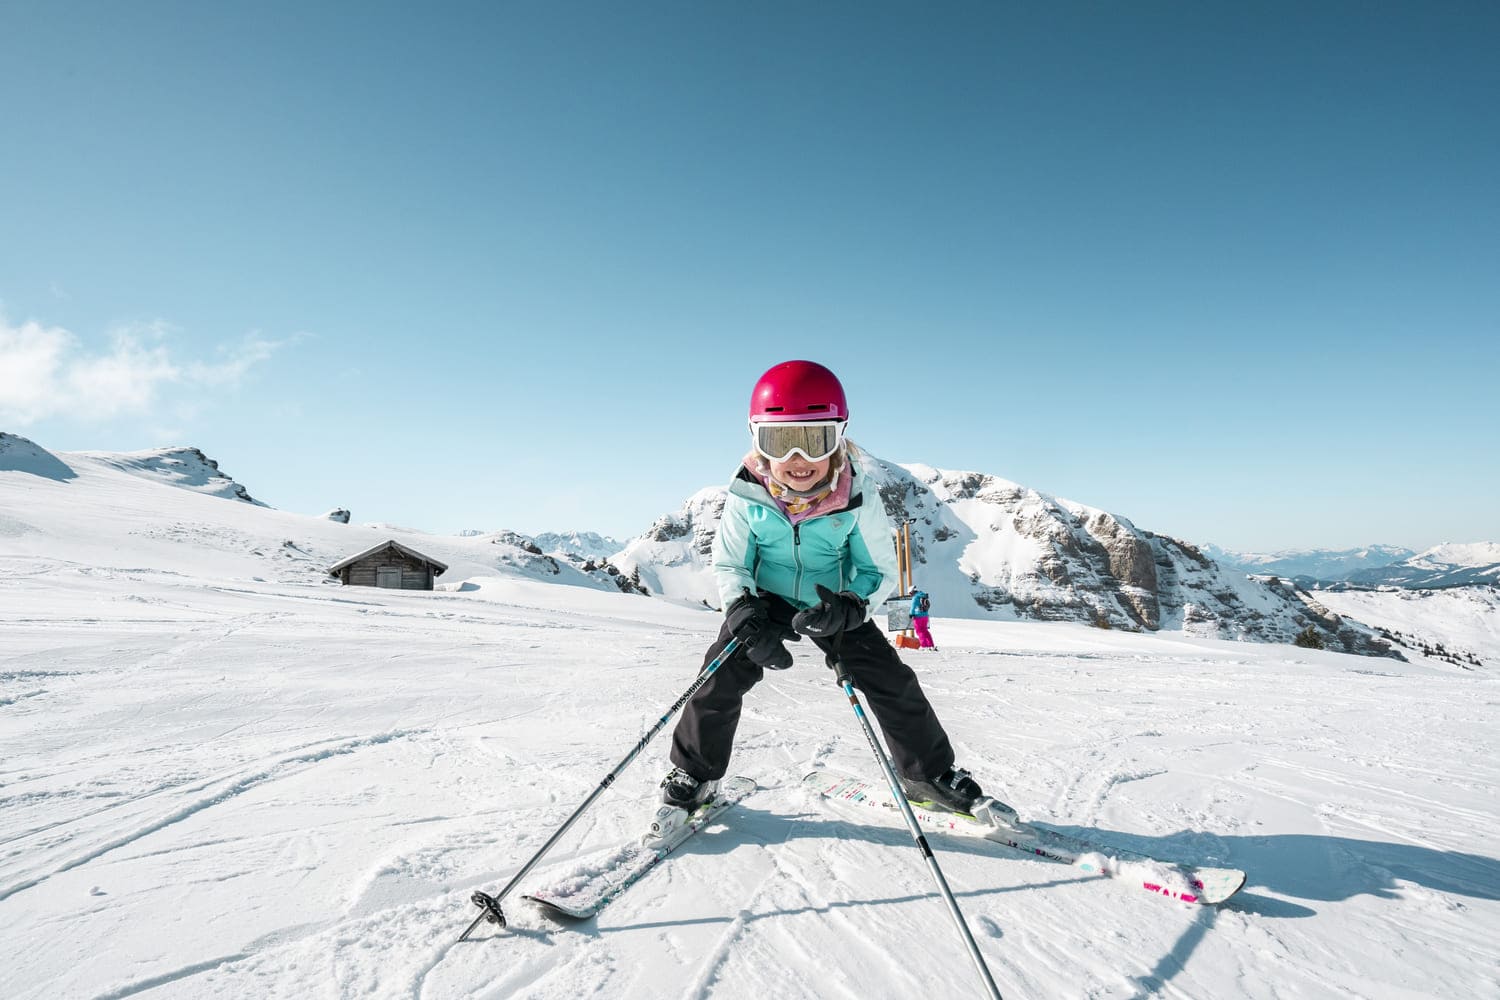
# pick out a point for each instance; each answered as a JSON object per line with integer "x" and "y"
{"x": 590, "y": 886}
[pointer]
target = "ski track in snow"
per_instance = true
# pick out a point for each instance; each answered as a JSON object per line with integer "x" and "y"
{"x": 216, "y": 797}
{"x": 222, "y": 788}
{"x": 152, "y": 982}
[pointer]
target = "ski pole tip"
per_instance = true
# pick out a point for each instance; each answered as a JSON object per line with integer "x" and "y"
{"x": 490, "y": 910}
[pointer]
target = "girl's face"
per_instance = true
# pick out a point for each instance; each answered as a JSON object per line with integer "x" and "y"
{"x": 800, "y": 474}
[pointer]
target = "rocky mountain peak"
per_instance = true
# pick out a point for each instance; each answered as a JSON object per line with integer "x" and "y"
{"x": 986, "y": 547}
{"x": 184, "y": 467}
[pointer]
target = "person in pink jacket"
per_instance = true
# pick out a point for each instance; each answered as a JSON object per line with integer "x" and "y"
{"x": 921, "y": 606}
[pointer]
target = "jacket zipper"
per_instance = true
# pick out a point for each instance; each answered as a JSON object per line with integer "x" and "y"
{"x": 797, "y": 559}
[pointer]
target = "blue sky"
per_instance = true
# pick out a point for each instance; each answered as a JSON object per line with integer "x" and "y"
{"x": 1232, "y": 271}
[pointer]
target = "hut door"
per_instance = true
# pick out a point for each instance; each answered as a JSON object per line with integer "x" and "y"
{"x": 388, "y": 576}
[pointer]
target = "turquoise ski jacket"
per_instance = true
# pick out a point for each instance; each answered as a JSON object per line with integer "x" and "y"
{"x": 758, "y": 548}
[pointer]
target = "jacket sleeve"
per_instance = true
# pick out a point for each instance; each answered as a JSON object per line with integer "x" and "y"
{"x": 734, "y": 552}
{"x": 872, "y": 551}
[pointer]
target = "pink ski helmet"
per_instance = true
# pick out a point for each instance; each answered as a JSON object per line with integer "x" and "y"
{"x": 798, "y": 390}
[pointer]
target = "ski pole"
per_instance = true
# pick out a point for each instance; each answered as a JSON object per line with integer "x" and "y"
{"x": 489, "y": 906}
{"x": 899, "y": 794}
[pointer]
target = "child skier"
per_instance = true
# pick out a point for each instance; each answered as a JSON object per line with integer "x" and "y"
{"x": 921, "y": 607}
{"x": 804, "y": 546}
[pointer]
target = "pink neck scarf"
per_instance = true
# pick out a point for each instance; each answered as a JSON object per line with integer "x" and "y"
{"x": 834, "y": 496}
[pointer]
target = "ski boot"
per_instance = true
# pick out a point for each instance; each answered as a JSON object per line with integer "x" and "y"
{"x": 956, "y": 791}
{"x": 682, "y": 795}
{"x": 684, "y": 791}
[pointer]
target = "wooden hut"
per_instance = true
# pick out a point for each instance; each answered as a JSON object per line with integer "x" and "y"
{"x": 391, "y": 565}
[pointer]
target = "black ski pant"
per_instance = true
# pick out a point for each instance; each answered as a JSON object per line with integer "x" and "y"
{"x": 704, "y": 737}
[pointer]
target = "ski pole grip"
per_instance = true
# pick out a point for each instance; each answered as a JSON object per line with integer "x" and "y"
{"x": 835, "y": 662}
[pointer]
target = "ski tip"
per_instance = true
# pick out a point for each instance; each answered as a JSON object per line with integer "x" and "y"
{"x": 1230, "y": 883}
{"x": 1217, "y": 885}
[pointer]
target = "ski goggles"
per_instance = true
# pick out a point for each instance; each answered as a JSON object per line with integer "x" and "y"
{"x": 814, "y": 440}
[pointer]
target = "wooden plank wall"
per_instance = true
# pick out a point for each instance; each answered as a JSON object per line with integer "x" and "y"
{"x": 415, "y": 574}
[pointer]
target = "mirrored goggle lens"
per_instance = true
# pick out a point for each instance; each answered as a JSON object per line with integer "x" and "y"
{"x": 816, "y": 441}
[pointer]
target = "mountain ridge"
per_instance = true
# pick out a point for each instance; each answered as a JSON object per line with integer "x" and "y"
{"x": 986, "y": 547}
{"x": 1448, "y": 564}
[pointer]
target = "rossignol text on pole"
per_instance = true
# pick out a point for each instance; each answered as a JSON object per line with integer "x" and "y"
{"x": 489, "y": 906}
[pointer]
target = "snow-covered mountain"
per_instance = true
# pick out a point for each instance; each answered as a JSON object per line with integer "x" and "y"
{"x": 1317, "y": 564}
{"x": 672, "y": 558}
{"x": 984, "y": 547}
{"x": 164, "y": 511}
{"x": 1448, "y": 565}
{"x": 588, "y": 544}
{"x": 187, "y": 468}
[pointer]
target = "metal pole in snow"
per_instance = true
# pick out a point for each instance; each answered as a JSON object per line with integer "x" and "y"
{"x": 899, "y": 794}
{"x": 489, "y": 906}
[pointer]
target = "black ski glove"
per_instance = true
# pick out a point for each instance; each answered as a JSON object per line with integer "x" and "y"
{"x": 750, "y": 621}
{"x": 837, "y": 613}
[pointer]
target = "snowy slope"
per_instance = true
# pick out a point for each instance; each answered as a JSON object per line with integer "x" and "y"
{"x": 187, "y": 468}
{"x": 1457, "y": 625}
{"x": 170, "y": 511}
{"x": 221, "y": 786}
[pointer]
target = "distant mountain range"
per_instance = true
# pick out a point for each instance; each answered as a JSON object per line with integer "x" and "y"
{"x": 1317, "y": 564}
{"x": 587, "y": 544}
{"x": 983, "y": 547}
{"x": 582, "y": 545}
{"x": 1447, "y": 565}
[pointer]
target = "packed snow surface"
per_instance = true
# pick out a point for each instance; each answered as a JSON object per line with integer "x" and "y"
{"x": 223, "y": 778}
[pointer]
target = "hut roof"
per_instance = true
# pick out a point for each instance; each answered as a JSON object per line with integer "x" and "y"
{"x": 437, "y": 567}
